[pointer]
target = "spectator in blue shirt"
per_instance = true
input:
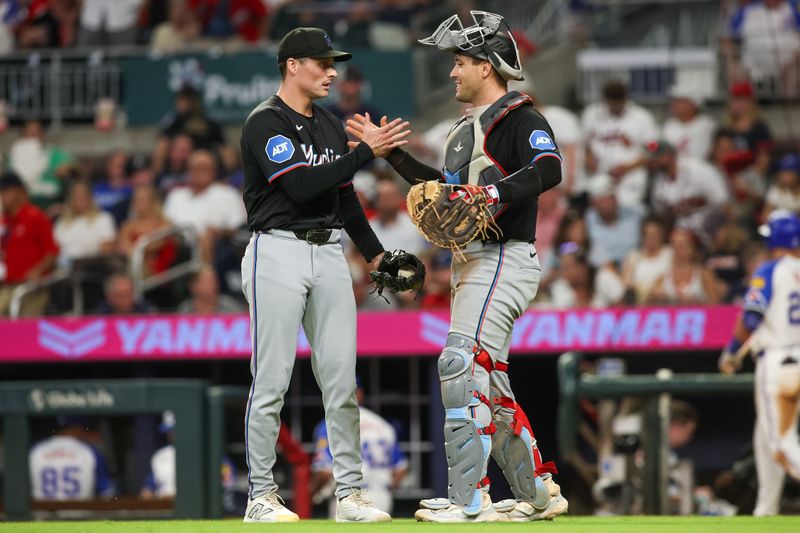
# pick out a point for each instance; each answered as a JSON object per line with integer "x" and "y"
{"x": 614, "y": 230}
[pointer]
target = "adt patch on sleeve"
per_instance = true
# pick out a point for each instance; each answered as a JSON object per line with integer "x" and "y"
{"x": 540, "y": 140}
{"x": 279, "y": 149}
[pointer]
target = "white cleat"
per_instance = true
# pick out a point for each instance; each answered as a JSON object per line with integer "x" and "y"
{"x": 514, "y": 511}
{"x": 358, "y": 508}
{"x": 269, "y": 508}
{"x": 442, "y": 510}
{"x": 558, "y": 503}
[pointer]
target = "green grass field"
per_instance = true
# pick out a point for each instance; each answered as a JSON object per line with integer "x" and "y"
{"x": 645, "y": 524}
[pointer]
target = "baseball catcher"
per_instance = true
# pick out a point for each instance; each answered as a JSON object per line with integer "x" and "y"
{"x": 498, "y": 158}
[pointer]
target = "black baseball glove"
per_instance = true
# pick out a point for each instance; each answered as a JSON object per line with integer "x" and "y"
{"x": 398, "y": 271}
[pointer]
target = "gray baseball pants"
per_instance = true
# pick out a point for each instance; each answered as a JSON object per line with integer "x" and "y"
{"x": 289, "y": 282}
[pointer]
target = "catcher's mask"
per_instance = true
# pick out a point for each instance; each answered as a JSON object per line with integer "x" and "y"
{"x": 483, "y": 40}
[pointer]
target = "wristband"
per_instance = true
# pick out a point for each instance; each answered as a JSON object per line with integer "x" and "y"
{"x": 734, "y": 345}
{"x": 492, "y": 195}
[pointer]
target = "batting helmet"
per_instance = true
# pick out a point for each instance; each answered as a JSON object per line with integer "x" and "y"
{"x": 782, "y": 230}
{"x": 483, "y": 40}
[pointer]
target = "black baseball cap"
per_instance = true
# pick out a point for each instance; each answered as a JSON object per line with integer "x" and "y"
{"x": 309, "y": 42}
{"x": 9, "y": 180}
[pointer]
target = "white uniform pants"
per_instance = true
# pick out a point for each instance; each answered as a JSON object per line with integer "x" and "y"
{"x": 775, "y": 440}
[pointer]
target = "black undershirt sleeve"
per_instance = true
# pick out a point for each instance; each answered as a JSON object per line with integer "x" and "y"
{"x": 307, "y": 183}
{"x": 302, "y": 182}
{"x": 356, "y": 224}
{"x": 410, "y": 169}
{"x": 550, "y": 172}
{"x": 520, "y": 185}
{"x": 530, "y": 181}
{"x": 536, "y": 178}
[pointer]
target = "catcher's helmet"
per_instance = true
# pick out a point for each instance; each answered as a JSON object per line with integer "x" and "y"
{"x": 782, "y": 230}
{"x": 483, "y": 40}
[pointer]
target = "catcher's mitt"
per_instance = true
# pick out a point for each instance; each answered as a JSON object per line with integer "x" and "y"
{"x": 398, "y": 271}
{"x": 451, "y": 216}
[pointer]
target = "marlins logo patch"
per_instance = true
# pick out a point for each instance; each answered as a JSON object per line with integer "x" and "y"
{"x": 279, "y": 149}
{"x": 540, "y": 140}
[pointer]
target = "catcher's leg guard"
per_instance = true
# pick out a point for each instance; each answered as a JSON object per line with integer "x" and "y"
{"x": 467, "y": 440}
{"x": 514, "y": 450}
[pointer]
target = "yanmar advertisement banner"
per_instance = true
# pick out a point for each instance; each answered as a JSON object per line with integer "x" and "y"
{"x": 175, "y": 337}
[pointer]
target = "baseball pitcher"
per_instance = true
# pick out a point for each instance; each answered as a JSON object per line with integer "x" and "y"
{"x": 299, "y": 196}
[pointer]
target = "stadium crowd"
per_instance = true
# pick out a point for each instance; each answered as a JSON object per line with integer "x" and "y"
{"x": 169, "y": 26}
{"x": 647, "y": 213}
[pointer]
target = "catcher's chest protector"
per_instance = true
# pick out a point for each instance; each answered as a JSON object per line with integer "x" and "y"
{"x": 466, "y": 160}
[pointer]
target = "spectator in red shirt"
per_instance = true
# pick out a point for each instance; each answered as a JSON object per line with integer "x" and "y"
{"x": 436, "y": 292}
{"x": 27, "y": 248}
{"x": 50, "y": 24}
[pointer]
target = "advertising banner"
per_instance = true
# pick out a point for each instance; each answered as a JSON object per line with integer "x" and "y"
{"x": 412, "y": 333}
{"x": 231, "y": 85}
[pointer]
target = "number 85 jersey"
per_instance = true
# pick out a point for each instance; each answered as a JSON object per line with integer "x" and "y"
{"x": 774, "y": 293}
{"x": 65, "y": 468}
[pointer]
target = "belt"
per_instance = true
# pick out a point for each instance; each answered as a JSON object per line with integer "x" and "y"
{"x": 314, "y": 236}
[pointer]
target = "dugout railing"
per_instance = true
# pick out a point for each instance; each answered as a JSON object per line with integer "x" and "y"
{"x": 142, "y": 282}
{"x": 27, "y": 288}
{"x": 655, "y": 390}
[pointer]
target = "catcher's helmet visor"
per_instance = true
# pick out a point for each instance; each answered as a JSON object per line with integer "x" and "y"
{"x": 482, "y": 40}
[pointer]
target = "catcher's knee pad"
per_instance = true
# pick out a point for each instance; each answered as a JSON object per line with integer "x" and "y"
{"x": 513, "y": 449}
{"x": 467, "y": 442}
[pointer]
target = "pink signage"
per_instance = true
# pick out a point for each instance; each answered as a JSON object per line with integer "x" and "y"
{"x": 174, "y": 337}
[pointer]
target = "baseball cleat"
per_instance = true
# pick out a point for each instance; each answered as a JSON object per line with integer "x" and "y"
{"x": 553, "y": 488}
{"x": 269, "y": 508}
{"x": 558, "y": 503}
{"x": 356, "y": 507}
{"x": 442, "y": 510}
{"x": 514, "y": 511}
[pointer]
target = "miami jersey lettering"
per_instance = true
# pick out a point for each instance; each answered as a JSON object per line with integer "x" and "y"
{"x": 280, "y": 149}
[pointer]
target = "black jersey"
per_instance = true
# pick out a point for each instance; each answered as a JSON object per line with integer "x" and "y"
{"x": 520, "y": 138}
{"x": 277, "y": 140}
{"x": 524, "y": 158}
{"x": 298, "y": 173}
